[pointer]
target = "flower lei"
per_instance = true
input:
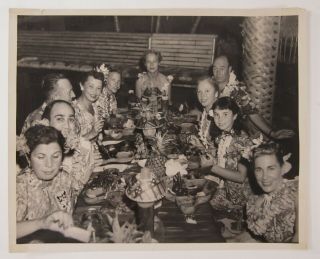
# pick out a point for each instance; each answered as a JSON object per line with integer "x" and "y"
{"x": 204, "y": 129}
{"x": 231, "y": 85}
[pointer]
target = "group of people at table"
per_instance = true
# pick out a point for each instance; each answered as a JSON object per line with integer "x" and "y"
{"x": 47, "y": 188}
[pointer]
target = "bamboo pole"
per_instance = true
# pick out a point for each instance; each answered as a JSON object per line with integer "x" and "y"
{"x": 195, "y": 25}
{"x": 158, "y": 24}
{"x": 116, "y": 23}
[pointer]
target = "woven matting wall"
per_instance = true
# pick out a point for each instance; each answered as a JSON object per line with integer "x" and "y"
{"x": 260, "y": 51}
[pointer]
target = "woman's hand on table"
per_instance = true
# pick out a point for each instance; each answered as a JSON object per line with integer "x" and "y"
{"x": 57, "y": 221}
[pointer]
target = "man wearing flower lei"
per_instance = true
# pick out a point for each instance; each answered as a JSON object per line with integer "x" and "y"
{"x": 107, "y": 102}
{"x": 54, "y": 87}
{"x": 230, "y": 86}
{"x": 152, "y": 82}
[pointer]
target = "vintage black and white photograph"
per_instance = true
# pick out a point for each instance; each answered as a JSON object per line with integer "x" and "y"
{"x": 156, "y": 129}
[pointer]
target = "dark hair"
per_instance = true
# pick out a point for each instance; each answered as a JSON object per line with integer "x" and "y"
{"x": 270, "y": 148}
{"x": 47, "y": 111}
{"x": 210, "y": 69}
{"x": 40, "y": 134}
{"x": 227, "y": 103}
{"x": 49, "y": 82}
{"x": 95, "y": 74}
{"x": 144, "y": 58}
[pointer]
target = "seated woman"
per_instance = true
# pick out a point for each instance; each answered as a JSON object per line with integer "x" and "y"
{"x": 107, "y": 102}
{"x": 91, "y": 123}
{"x": 152, "y": 81}
{"x": 272, "y": 214}
{"x": 45, "y": 194}
{"x": 80, "y": 162}
{"x": 229, "y": 169}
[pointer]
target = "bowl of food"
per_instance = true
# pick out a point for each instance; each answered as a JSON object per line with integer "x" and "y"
{"x": 116, "y": 134}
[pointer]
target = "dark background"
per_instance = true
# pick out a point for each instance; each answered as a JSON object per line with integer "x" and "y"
{"x": 228, "y": 30}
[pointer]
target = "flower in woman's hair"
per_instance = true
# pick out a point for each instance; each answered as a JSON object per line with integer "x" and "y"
{"x": 21, "y": 145}
{"x": 44, "y": 122}
{"x": 103, "y": 69}
{"x": 131, "y": 92}
{"x": 170, "y": 78}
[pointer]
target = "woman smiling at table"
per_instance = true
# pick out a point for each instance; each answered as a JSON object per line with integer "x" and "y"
{"x": 152, "y": 79}
{"x": 91, "y": 123}
{"x": 45, "y": 193}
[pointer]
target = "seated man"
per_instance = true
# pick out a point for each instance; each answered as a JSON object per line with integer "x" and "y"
{"x": 228, "y": 85}
{"x": 54, "y": 87}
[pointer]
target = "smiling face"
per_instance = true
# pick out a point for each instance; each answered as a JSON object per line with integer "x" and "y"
{"x": 91, "y": 89}
{"x": 62, "y": 118}
{"x": 63, "y": 90}
{"x": 113, "y": 82}
{"x": 46, "y": 160}
{"x": 221, "y": 70}
{"x": 268, "y": 172}
{"x": 224, "y": 119}
{"x": 206, "y": 94}
{"x": 152, "y": 63}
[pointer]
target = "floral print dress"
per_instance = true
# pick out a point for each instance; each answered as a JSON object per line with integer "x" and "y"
{"x": 86, "y": 119}
{"x": 231, "y": 148}
{"x": 37, "y": 198}
{"x": 272, "y": 216}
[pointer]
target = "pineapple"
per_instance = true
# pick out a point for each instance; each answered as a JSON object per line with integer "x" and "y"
{"x": 157, "y": 159}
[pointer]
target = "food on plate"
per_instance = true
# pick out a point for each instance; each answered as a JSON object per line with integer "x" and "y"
{"x": 95, "y": 192}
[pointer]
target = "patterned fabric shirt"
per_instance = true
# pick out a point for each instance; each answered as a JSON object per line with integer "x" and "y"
{"x": 231, "y": 148}
{"x": 32, "y": 117}
{"x": 86, "y": 119}
{"x": 37, "y": 198}
{"x": 272, "y": 216}
{"x": 238, "y": 92}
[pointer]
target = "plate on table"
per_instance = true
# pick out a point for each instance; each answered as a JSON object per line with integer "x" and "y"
{"x": 120, "y": 167}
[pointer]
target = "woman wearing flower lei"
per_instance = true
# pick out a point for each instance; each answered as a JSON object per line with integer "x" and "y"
{"x": 229, "y": 167}
{"x": 230, "y": 86}
{"x": 107, "y": 102}
{"x": 152, "y": 82}
{"x": 45, "y": 193}
{"x": 207, "y": 94}
{"x": 272, "y": 213}
{"x": 87, "y": 112}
